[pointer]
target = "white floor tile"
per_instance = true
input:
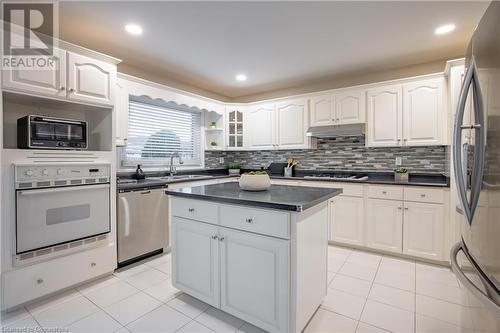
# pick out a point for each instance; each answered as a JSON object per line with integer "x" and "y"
{"x": 365, "y": 258}
{"x": 430, "y": 325}
{"x": 405, "y": 281}
{"x": 194, "y": 327}
{"x": 163, "y": 291}
{"x": 146, "y": 278}
{"x": 436, "y": 273}
{"x": 388, "y": 317}
{"x": 351, "y": 285}
{"x": 158, "y": 260}
{"x": 12, "y": 316}
{"x": 339, "y": 253}
{"x": 449, "y": 312}
{"x": 26, "y": 324}
{"x": 358, "y": 271}
{"x": 392, "y": 296}
{"x": 123, "y": 330}
{"x": 66, "y": 313}
{"x": 343, "y": 303}
{"x": 130, "y": 309}
{"x": 249, "y": 328}
{"x": 162, "y": 319}
{"x": 334, "y": 265}
{"x": 365, "y": 328}
{"x": 165, "y": 268}
{"x": 111, "y": 294}
{"x": 329, "y": 277}
{"x": 128, "y": 271}
{"x": 188, "y": 305}
{"x": 97, "y": 284}
{"x": 445, "y": 292}
{"x": 96, "y": 322}
{"x": 54, "y": 300}
{"x": 325, "y": 321}
{"x": 219, "y": 321}
{"x": 397, "y": 265}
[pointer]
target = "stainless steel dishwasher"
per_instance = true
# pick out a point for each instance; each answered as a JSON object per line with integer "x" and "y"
{"x": 142, "y": 223}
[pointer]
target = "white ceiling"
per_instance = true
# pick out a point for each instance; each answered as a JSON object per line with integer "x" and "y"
{"x": 277, "y": 44}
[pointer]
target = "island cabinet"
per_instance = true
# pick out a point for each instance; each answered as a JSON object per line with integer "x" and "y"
{"x": 266, "y": 266}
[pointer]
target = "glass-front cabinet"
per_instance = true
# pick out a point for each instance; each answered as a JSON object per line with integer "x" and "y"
{"x": 235, "y": 127}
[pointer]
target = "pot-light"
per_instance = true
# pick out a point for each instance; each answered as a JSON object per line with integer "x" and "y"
{"x": 133, "y": 29}
{"x": 241, "y": 77}
{"x": 444, "y": 29}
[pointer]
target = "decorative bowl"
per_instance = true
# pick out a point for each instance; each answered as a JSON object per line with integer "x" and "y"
{"x": 255, "y": 182}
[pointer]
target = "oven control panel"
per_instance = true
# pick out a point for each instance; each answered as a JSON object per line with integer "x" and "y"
{"x": 36, "y": 175}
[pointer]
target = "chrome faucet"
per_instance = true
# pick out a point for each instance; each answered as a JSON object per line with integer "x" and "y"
{"x": 172, "y": 166}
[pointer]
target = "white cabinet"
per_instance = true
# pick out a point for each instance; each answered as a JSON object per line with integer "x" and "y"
{"x": 195, "y": 259}
{"x": 121, "y": 114}
{"x": 350, "y": 107}
{"x": 384, "y": 116}
{"x": 384, "y": 225}
{"x": 292, "y": 122}
{"x": 347, "y": 220}
{"x": 322, "y": 110}
{"x": 90, "y": 80}
{"x": 423, "y": 112}
{"x": 235, "y": 128}
{"x": 48, "y": 82}
{"x": 261, "y": 120}
{"x": 255, "y": 278}
{"x": 423, "y": 230}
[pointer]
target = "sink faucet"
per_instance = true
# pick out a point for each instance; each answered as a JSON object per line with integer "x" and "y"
{"x": 172, "y": 166}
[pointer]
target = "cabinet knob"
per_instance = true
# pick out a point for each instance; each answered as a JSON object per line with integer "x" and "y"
{"x": 384, "y": 192}
{"x": 398, "y": 140}
{"x": 249, "y": 220}
{"x": 215, "y": 237}
{"x": 221, "y": 239}
{"x": 406, "y": 208}
{"x": 422, "y": 195}
{"x": 400, "y": 208}
{"x": 191, "y": 210}
{"x": 93, "y": 264}
{"x": 39, "y": 281}
{"x": 62, "y": 88}
{"x": 71, "y": 90}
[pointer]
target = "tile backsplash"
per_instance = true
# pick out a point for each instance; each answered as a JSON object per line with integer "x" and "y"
{"x": 336, "y": 154}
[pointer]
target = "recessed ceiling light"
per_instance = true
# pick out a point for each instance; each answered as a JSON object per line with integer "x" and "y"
{"x": 444, "y": 29}
{"x": 133, "y": 29}
{"x": 241, "y": 77}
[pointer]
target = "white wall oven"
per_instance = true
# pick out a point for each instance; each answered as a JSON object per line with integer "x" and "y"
{"x": 58, "y": 204}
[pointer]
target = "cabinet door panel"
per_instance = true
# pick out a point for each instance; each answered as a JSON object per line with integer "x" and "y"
{"x": 347, "y": 220}
{"x": 423, "y": 112}
{"x": 350, "y": 107}
{"x": 423, "y": 230}
{"x": 322, "y": 110}
{"x": 90, "y": 80}
{"x": 385, "y": 225}
{"x": 384, "y": 111}
{"x": 195, "y": 259}
{"x": 45, "y": 82}
{"x": 121, "y": 107}
{"x": 261, "y": 123}
{"x": 255, "y": 279}
{"x": 292, "y": 124}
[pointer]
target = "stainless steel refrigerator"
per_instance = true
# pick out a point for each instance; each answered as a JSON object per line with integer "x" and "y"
{"x": 476, "y": 151}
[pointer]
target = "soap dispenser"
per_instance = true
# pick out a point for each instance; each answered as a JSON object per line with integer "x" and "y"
{"x": 139, "y": 174}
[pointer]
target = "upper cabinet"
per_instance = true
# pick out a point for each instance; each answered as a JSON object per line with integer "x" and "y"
{"x": 261, "y": 120}
{"x": 346, "y": 107}
{"x": 73, "y": 77}
{"x": 322, "y": 110}
{"x": 235, "y": 127}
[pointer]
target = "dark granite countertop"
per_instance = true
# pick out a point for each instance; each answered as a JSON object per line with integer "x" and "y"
{"x": 152, "y": 182}
{"x": 282, "y": 197}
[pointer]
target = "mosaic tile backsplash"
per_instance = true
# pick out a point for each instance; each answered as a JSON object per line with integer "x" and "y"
{"x": 340, "y": 154}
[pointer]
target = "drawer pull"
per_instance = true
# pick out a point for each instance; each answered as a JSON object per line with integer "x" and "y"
{"x": 215, "y": 237}
{"x": 39, "y": 281}
{"x": 384, "y": 192}
{"x": 249, "y": 220}
{"x": 422, "y": 195}
{"x": 191, "y": 210}
{"x": 93, "y": 264}
{"x": 406, "y": 208}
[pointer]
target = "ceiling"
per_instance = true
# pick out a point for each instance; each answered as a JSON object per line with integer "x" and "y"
{"x": 277, "y": 44}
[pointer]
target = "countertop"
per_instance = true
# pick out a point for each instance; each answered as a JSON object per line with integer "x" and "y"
{"x": 152, "y": 182}
{"x": 282, "y": 197}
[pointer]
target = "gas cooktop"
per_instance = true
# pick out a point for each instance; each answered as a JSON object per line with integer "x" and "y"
{"x": 338, "y": 176}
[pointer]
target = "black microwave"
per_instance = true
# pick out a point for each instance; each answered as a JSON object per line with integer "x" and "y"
{"x": 51, "y": 133}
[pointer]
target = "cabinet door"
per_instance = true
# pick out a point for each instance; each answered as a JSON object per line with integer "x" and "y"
{"x": 347, "y": 220}
{"x": 121, "y": 114}
{"x": 423, "y": 228}
{"x": 235, "y": 128}
{"x": 261, "y": 120}
{"x": 90, "y": 80}
{"x": 292, "y": 118}
{"x": 350, "y": 107}
{"x": 322, "y": 110}
{"x": 384, "y": 225}
{"x": 255, "y": 279}
{"x": 384, "y": 112}
{"x": 195, "y": 259}
{"x": 47, "y": 82}
{"x": 423, "y": 112}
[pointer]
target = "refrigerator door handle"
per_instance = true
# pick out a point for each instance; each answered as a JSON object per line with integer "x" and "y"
{"x": 467, "y": 283}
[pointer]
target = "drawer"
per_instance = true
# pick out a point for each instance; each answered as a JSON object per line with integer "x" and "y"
{"x": 194, "y": 210}
{"x": 260, "y": 221}
{"x": 422, "y": 194}
{"x": 385, "y": 192}
{"x": 350, "y": 189}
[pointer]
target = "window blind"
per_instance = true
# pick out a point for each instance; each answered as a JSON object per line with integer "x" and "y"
{"x": 155, "y": 132}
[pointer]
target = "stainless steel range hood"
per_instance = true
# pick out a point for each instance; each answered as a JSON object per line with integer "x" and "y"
{"x": 333, "y": 131}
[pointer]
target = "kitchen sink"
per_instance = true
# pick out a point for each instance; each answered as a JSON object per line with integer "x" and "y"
{"x": 181, "y": 177}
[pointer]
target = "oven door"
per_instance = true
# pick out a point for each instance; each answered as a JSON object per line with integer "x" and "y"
{"x": 51, "y": 216}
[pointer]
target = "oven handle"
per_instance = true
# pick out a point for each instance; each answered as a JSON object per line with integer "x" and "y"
{"x": 62, "y": 189}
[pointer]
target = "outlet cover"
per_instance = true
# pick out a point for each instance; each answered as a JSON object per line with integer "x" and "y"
{"x": 221, "y": 160}
{"x": 399, "y": 161}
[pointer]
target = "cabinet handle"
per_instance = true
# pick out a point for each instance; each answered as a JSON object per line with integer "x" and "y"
{"x": 71, "y": 90}
{"x": 39, "y": 281}
{"x": 249, "y": 220}
{"x": 93, "y": 264}
{"x": 422, "y": 195}
{"x": 398, "y": 139}
{"x": 191, "y": 210}
{"x": 406, "y": 208}
{"x": 215, "y": 237}
{"x": 221, "y": 239}
{"x": 400, "y": 208}
{"x": 146, "y": 192}
{"x": 62, "y": 88}
{"x": 384, "y": 192}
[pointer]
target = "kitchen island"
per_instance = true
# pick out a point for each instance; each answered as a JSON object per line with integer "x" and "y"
{"x": 260, "y": 256}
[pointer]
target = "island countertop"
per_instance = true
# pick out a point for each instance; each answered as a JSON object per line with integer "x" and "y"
{"x": 282, "y": 197}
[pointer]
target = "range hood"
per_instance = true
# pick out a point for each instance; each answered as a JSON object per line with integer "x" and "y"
{"x": 333, "y": 131}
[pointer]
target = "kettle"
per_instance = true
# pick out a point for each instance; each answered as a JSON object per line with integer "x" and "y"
{"x": 139, "y": 174}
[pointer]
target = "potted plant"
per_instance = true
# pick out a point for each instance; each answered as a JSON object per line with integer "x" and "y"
{"x": 213, "y": 125}
{"x": 213, "y": 144}
{"x": 234, "y": 168}
{"x": 255, "y": 181}
{"x": 401, "y": 174}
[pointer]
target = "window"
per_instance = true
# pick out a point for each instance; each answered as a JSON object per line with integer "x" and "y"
{"x": 155, "y": 131}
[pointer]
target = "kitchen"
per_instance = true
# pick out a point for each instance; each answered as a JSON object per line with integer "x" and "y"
{"x": 146, "y": 188}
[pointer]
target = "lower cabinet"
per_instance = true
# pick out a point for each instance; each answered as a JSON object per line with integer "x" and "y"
{"x": 347, "y": 220}
{"x": 385, "y": 225}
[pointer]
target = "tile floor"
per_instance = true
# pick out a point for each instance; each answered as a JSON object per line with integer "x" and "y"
{"x": 366, "y": 293}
